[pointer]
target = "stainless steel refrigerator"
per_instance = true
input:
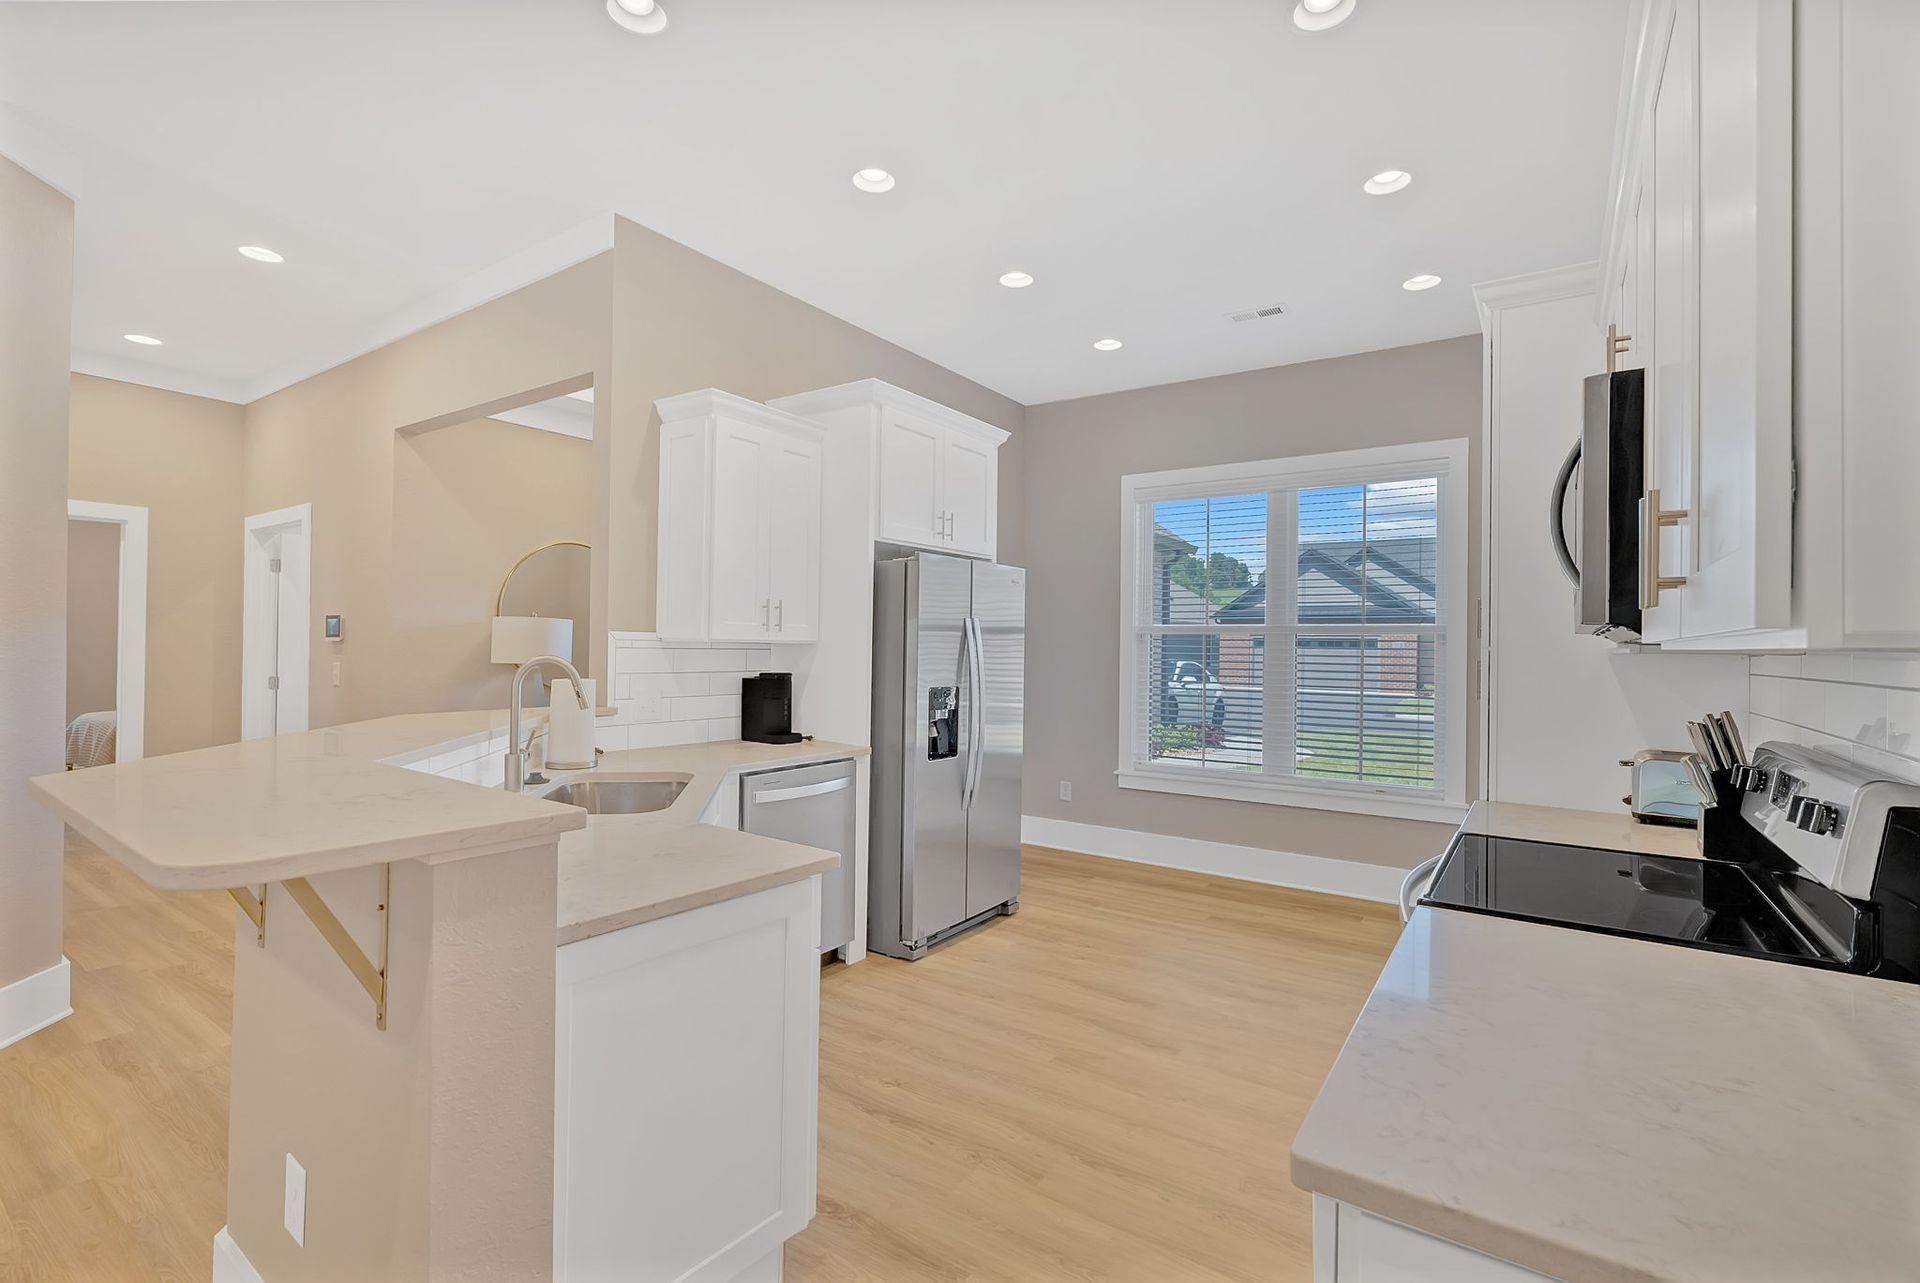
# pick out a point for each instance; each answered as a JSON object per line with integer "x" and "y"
{"x": 949, "y": 678}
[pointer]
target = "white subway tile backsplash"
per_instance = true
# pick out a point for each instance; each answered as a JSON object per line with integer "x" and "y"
{"x": 660, "y": 734}
{"x": 702, "y": 707}
{"x": 610, "y": 739}
{"x": 1863, "y": 706}
{"x": 677, "y": 694}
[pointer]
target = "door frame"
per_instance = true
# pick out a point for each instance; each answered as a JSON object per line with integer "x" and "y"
{"x": 257, "y": 637}
{"x": 130, "y": 646}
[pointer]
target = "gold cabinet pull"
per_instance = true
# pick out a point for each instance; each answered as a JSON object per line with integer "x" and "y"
{"x": 1616, "y": 344}
{"x": 1653, "y": 519}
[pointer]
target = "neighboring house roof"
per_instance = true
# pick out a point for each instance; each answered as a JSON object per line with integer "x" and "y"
{"x": 1380, "y": 581}
{"x": 1166, "y": 543}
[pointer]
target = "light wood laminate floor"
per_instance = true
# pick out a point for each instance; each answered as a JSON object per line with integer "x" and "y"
{"x": 1104, "y": 1087}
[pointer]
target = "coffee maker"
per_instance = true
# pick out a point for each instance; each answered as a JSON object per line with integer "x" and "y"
{"x": 766, "y": 709}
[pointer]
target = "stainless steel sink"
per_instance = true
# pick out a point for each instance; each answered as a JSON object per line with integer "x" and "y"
{"x": 618, "y": 794}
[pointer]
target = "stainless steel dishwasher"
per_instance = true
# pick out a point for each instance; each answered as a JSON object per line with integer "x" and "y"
{"x": 814, "y": 806}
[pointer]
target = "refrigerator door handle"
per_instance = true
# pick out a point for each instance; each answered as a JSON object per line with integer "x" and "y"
{"x": 977, "y": 697}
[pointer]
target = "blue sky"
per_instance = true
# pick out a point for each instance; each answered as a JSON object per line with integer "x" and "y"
{"x": 1329, "y": 512}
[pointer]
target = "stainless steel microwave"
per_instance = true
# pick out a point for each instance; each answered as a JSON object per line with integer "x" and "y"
{"x": 1602, "y": 556}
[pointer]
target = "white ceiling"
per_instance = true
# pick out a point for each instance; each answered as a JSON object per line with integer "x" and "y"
{"x": 1156, "y": 165}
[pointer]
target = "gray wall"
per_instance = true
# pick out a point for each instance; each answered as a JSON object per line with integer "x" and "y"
{"x": 1076, "y": 453}
{"x": 36, "y": 320}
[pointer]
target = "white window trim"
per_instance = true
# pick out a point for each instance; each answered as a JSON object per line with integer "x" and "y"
{"x": 1446, "y": 460}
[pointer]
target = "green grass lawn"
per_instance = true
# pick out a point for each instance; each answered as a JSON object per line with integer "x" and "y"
{"x": 1385, "y": 757}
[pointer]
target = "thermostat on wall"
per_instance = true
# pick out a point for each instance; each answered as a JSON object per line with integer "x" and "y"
{"x": 333, "y": 628}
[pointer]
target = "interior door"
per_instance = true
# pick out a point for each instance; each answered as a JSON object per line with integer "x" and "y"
{"x": 792, "y": 513}
{"x": 997, "y": 731}
{"x": 741, "y": 606}
{"x": 967, "y": 482}
{"x": 933, "y": 892}
{"x": 910, "y": 511}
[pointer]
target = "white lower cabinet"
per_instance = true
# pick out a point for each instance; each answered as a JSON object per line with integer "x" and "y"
{"x": 686, "y": 1092}
{"x": 1355, "y": 1246}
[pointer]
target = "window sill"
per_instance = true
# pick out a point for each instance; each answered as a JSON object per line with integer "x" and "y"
{"x": 1433, "y": 810}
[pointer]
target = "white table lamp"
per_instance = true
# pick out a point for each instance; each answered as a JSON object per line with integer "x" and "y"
{"x": 519, "y": 638}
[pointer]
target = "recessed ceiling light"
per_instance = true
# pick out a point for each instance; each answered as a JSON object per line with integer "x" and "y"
{"x": 1107, "y": 345}
{"x": 642, "y": 16}
{"x": 1016, "y": 280}
{"x": 1318, "y": 15}
{"x": 144, "y": 340}
{"x": 1424, "y": 281}
{"x": 261, "y": 254}
{"x": 1386, "y": 182}
{"x": 873, "y": 180}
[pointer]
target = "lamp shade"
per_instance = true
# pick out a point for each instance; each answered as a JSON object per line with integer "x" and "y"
{"x": 519, "y": 638}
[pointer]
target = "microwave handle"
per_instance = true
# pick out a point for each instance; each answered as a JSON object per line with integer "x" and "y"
{"x": 1557, "y": 514}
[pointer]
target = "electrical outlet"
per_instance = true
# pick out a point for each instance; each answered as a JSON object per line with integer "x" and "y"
{"x": 295, "y": 1216}
{"x": 1066, "y": 790}
{"x": 336, "y": 672}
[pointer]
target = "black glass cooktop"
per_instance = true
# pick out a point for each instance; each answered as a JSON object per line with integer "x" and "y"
{"x": 1704, "y": 904}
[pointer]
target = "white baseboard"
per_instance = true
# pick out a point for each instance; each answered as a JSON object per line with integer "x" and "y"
{"x": 33, "y": 1002}
{"x": 1220, "y": 859}
{"x": 230, "y": 1264}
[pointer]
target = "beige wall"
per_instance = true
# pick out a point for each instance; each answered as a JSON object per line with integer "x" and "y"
{"x": 332, "y": 441}
{"x": 36, "y": 311}
{"x": 1077, "y": 452}
{"x": 179, "y": 457}
{"x": 469, "y": 500}
{"x": 93, "y": 616}
{"x": 681, "y": 322}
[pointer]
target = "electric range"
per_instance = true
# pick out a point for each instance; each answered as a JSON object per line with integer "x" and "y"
{"x": 1807, "y": 858}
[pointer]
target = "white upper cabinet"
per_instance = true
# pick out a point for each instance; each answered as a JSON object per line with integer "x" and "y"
{"x": 740, "y": 521}
{"x": 936, "y": 472}
{"x": 911, "y": 508}
{"x": 1760, "y": 266}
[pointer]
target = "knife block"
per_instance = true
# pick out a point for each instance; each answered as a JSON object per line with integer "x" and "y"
{"x": 1725, "y": 835}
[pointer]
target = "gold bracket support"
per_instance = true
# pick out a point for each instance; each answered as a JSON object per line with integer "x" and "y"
{"x": 372, "y": 977}
{"x": 255, "y": 907}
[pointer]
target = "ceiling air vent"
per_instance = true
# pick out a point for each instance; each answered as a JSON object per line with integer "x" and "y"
{"x": 1259, "y": 313}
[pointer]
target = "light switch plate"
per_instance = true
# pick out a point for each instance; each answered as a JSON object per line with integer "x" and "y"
{"x": 296, "y": 1210}
{"x": 1066, "y": 790}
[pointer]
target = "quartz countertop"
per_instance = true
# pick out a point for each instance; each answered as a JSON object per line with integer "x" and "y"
{"x": 290, "y": 806}
{"x": 627, "y": 869}
{"x": 1600, "y": 1108}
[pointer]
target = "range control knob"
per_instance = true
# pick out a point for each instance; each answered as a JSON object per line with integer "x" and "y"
{"x": 1812, "y": 816}
{"x": 1749, "y": 779}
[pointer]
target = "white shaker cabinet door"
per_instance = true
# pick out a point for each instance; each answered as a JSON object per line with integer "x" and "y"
{"x": 1739, "y": 571}
{"x": 792, "y": 515}
{"x": 969, "y": 477}
{"x": 741, "y": 606}
{"x": 1670, "y": 172}
{"x": 909, "y": 500}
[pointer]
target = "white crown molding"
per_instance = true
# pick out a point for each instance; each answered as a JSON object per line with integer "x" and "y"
{"x": 38, "y": 154}
{"x": 122, "y": 369}
{"x": 566, "y": 416}
{"x": 1535, "y": 287}
{"x": 877, "y": 392}
{"x": 708, "y": 402}
{"x": 576, "y": 245}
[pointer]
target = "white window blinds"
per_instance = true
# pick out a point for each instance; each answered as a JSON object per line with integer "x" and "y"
{"x": 1292, "y": 624}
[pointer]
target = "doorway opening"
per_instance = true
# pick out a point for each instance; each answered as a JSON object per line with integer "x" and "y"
{"x": 276, "y": 597}
{"x": 106, "y": 633}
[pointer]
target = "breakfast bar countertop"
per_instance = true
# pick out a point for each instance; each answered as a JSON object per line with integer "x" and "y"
{"x": 1600, "y": 1108}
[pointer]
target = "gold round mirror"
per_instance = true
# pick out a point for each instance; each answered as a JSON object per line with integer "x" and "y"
{"x": 552, "y": 582}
